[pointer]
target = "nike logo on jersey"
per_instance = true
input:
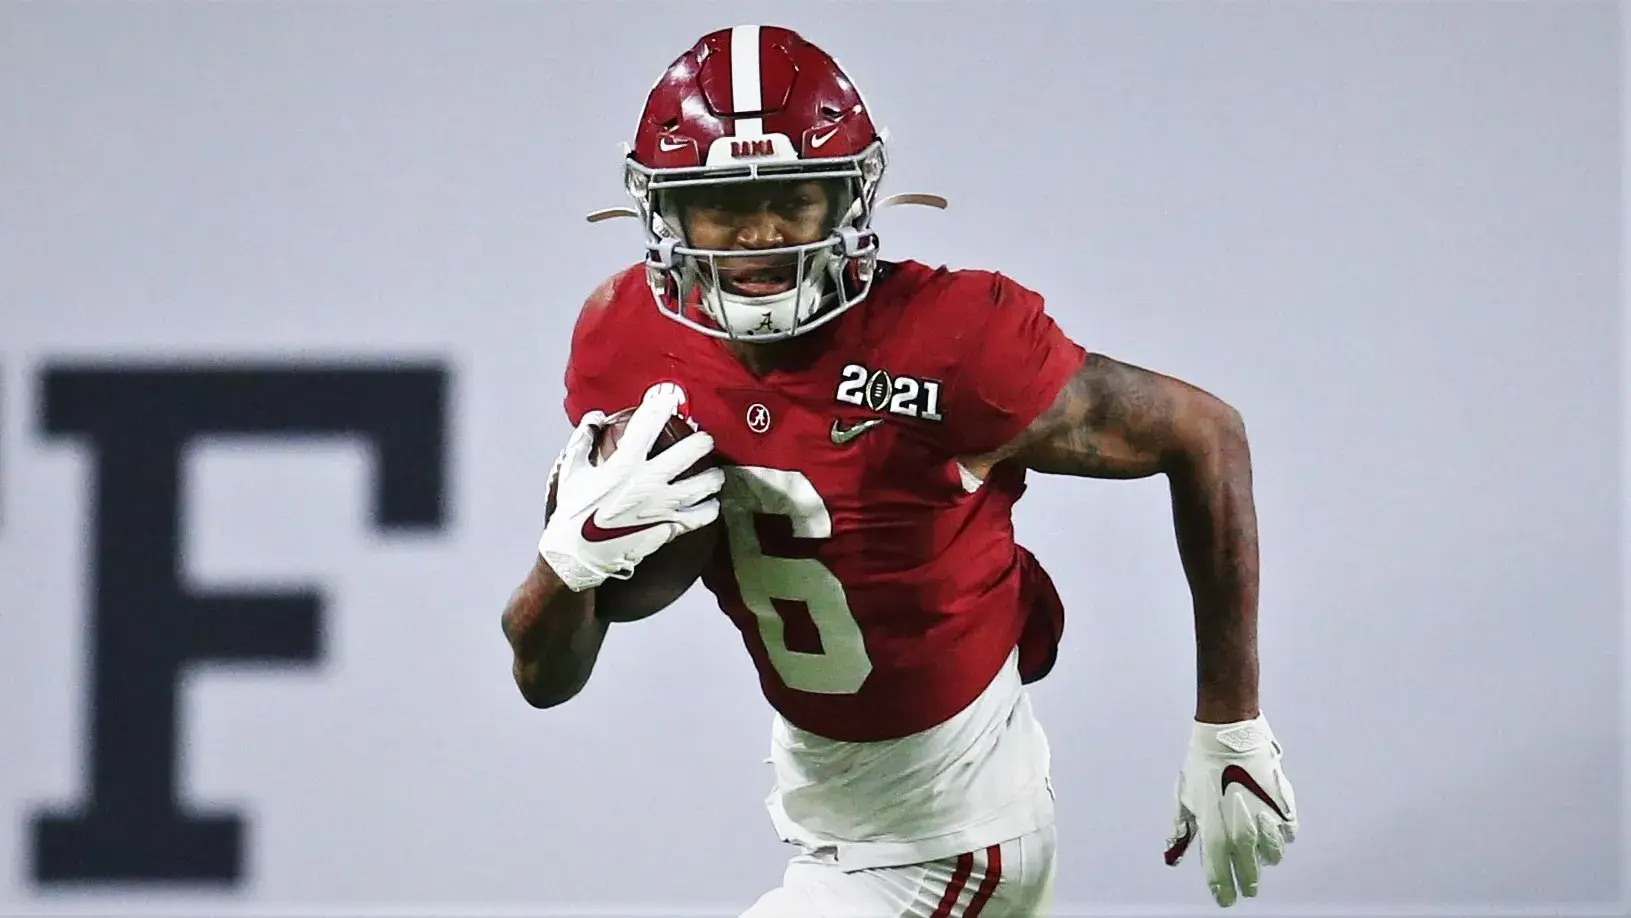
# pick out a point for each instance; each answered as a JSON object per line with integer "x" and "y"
{"x": 842, "y": 435}
{"x": 669, "y": 146}
{"x": 1234, "y": 774}
{"x": 594, "y": 532}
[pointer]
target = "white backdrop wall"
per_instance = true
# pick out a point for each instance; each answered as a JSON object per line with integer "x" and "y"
{"x": 1389, "y": 233}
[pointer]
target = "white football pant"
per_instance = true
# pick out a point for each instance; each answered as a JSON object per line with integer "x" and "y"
{"x": 1009, "y": 880}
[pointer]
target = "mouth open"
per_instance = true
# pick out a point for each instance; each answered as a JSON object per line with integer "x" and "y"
{"x": 759, "y": 280}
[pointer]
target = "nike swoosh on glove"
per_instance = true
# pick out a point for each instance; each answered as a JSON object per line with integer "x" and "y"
{"x": 610, "y": 517}
{"x": 1234, "y": 796}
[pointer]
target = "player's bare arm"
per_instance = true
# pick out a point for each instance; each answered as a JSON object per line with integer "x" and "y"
{"x": 555, "y": 636}
{"x": 1116, "y": 420}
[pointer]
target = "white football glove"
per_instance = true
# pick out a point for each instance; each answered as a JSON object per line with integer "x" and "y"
{"x": 1233, "y": 794}
{"x": 610, "y": 517}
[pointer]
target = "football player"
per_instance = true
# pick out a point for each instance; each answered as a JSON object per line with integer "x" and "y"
{"x": 873, "y": 423}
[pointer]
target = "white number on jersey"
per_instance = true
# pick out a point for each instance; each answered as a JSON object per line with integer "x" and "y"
{"x": 842, "y": 665}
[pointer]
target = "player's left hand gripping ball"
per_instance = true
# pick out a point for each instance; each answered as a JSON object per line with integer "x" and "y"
{"x": 1233, "y": 796}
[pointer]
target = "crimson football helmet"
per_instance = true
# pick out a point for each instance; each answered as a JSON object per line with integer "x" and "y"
{"x": 756, "y": 104}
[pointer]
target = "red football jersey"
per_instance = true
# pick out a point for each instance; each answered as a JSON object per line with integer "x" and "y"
{"x": 877, "y": 594}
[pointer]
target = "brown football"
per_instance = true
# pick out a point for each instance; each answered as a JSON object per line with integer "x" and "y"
{"x": 668, "y": 572}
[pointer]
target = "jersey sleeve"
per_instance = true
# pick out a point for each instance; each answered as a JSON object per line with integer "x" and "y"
{"x": 1015, "y": 362}
{"x": 580, "y": 387}
{"x": 591, "y": 379}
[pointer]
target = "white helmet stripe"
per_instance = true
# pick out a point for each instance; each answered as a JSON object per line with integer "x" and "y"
{"x": 746, "y": 93}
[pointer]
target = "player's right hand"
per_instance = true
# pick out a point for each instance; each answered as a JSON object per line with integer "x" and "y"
{"x": 610, "y": 517}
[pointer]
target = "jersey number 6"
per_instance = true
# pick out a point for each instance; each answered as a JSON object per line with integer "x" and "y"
{"x": 842, "y": 665}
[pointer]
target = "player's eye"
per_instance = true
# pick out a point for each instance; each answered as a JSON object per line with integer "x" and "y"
{"x": 712, "y": 201}
{"x": 795, "y": 205}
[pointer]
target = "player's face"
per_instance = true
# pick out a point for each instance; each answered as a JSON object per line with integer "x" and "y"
{"x": 747, "y": 216}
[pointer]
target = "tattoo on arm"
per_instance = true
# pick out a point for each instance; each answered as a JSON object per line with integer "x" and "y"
{"x": 1116, "y": 420}
{"x": 1216, "y": 523}
{"x": 1112, "y": 420}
